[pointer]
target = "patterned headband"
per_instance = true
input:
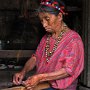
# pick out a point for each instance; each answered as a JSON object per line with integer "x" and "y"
{"x": 53, "y": 4}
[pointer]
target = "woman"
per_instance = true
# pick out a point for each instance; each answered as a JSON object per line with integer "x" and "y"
{"x": 59, "y": 57}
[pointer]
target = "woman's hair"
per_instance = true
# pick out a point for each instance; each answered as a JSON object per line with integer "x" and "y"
{"x": 52, "y": 6}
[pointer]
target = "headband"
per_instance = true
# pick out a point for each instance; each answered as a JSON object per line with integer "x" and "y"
{"x": 53, "y": 4}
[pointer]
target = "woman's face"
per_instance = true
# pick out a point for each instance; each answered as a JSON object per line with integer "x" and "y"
{"x": 49, "y": 21}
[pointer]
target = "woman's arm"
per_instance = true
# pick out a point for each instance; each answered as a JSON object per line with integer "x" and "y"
{"x": 30, "y": 64}
{"x": 53, "y": 75}
{"x": 34, "y": 80}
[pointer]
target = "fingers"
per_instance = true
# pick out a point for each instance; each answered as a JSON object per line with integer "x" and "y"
{"x": 31, "y": 82}
{"x": 17, "y": 79}
{"x": 28, "y": 82}
{"x": 29, "y": 85}
{"x": 29, "y": 88}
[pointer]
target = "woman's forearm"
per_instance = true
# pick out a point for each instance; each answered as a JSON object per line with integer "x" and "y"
{"x": 54, "y": 75}
{"x": 30, "y": 64}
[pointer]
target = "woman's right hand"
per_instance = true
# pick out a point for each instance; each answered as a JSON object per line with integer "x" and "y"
{"x": 18, "y": 77}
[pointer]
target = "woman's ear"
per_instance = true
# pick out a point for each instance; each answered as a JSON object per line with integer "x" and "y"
{"x": 60, "y": 16}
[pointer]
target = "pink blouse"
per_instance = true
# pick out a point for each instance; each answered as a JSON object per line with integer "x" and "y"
{"x": 68, "y": 55}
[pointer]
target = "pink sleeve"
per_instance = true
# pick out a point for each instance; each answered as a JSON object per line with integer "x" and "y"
{"x": 74, "y": 57}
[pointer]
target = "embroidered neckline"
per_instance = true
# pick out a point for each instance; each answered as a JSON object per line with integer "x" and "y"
{"x": 49, "y": 53}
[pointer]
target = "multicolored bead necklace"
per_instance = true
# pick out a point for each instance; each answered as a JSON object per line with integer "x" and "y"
{"x": 50, "y": 53}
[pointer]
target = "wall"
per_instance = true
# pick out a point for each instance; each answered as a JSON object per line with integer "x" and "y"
{"x": 85, "y": 80}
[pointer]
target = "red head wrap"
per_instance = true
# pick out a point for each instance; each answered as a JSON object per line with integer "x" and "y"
{"x": 53, "y": 4}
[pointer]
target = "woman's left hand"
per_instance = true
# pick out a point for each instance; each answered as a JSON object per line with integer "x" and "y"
{"x": 31, "y": 82}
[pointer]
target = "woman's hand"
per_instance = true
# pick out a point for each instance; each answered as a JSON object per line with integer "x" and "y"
{"x": 31, "y": 82}
{"x": 17, "y": 78}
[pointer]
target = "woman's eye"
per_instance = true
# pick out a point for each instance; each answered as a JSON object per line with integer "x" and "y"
{"x": 47, "y": 19}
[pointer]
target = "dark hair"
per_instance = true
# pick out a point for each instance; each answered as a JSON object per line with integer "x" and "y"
{"x": 46, "y": 8}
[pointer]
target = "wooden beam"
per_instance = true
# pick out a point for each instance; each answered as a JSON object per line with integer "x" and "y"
{"x": 16, "y": 53}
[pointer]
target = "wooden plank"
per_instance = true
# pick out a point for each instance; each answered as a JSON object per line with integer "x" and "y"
{"x": 15, "y": 88}
{"x": 16, "y": 53}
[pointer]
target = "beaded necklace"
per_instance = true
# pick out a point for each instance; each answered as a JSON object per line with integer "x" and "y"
{"x": 47, "y": 47}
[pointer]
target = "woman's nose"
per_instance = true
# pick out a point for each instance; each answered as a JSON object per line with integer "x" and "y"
{"x": 44, "y": 23}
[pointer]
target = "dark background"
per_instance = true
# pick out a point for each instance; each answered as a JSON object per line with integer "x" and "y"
{"x": 20, "y": 27}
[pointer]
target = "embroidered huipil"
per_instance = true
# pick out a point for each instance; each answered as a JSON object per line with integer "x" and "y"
{"x": 68, "y": 55}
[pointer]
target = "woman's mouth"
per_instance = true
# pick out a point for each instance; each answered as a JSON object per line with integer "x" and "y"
{"x": 47, "y": 29}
